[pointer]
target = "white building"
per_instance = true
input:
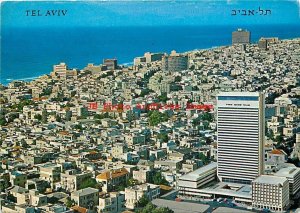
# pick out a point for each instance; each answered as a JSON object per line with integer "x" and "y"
{"x": 112, "y": 202}
{"x": 270, "y": 192}
{"x": 190, "y": 183}
{"x": 241, "y": 127}
{"x": 293, "y": 176}
{"x": 135, "y": 193}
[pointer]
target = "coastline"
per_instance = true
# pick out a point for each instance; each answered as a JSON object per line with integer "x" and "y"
{"x": 5, "y": 82}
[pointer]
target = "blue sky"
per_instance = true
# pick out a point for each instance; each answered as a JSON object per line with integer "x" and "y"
{"x": 149, "y": 13}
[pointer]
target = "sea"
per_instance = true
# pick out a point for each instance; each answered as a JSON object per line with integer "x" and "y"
{"x": 27, "y": 53}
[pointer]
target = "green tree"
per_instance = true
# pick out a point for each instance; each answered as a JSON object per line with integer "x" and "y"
{"x": 158, "y": 179}
{"x": 24, "y": 144}
{"x": 58, "y": 118}
{"x": 68, "y": 115}
{"x": 207, "y": 116}
{"x": 156, "y": 117}
{"x": 143, "y": 201}
{"x": 46, "y": 92}
{"x": 279, "y": 138}
{"x": 163, "y": 136}
{"x": 132, "y": 182}
{"x": 3, "y": 121}
{"x": 89, "y": 182}
{"x": 150, "y": 208}
{"x": 203, "y": 158}
{"x": 177, "y": 79}
{"x": 38, "y": 117}
{"x": 69, "y": 203}
{"x": 44, "y": 116}
{"x": 163, "y": 97}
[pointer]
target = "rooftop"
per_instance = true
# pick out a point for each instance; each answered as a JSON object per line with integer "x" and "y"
{"x": 85, "y": 191}
{"x": 195, "y": 174}
{"x": 180, "y": 207}
{"x": 267, "y": 179}
{"x": 112, "y": 174}
{"x": 289, "y": 172}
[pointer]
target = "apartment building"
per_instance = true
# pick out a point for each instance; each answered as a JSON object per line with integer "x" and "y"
{"x": 270, "y": 192}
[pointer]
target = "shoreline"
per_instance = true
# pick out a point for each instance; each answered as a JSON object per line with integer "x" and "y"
{"x": 7, "y": 81}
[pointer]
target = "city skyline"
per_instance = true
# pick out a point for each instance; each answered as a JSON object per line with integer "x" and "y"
{"x": 150, "y": 106}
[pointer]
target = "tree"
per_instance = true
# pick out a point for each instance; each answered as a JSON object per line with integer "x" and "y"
{"x": 150, "y": 208}
{"x": 177, "y": 79}
{"x": 44, "y": 116}
{"x": 38, "y": 117}
{"x": 46, "y": 92}
{"x": 207, "y": 116}
{"x": 89, "y": 182}
{"x": 196, "y": 121}
{"x": 69, "y": 203}
{"x": 279, "y": 138}
{"x": 163, "y": 97}
{"x": 143, "y": 201}
{"x": 156, "y": 117}
{"x": 163, "y": 136}
{"x": 132, "y": 182}
{"x": 203, "y": 158}
{"x": 2, "y": 122}
{"x": 158, "y": 179}
{"x": 58, "y": 118}
{"x": 68, "y": 115}
{"x": 24, "y": 144}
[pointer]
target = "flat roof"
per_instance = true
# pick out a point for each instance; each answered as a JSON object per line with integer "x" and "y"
{"x": 288, "y": 172}
{"x": 238, "y": 190}
{"x": 85, "y": 191}
{"x": 231, "y": 210}
{"x": 181, "y": 207}
{"x": 195, "y": 174}
{"x": 268, "y": 179}
{"x": 238, "y": 94}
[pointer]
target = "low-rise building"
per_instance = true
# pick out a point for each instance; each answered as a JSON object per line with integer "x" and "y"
{"x": 190, "y": 183}
{"x": 112, "y": 178}
{"x": 135, "y": 193}
{"x": 112, "y": 202}
{"x": 270, "y": 192}
{"x": 293, "y": 176}
{"x": 50, "y": 172}
{"x": 71, "y": 180}
{"x": 87, "y": 198}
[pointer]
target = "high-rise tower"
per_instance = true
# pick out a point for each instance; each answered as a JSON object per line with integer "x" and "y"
{"x": 241, "y": 132}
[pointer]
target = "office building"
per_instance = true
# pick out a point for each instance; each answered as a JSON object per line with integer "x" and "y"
{"x": 241, "y": 127}
{"x": 189, "y": 184}
{"x": 263, "y": 44}
{"x": 241, "y": 37}
{"x": 151, "y": 57}
{"x": 270, "y": 192}
{"x": 174, "y": 62}
{"x": 293, "y": 176}
{"x": 111, "y": 64}
{"x": 148, "y": 58}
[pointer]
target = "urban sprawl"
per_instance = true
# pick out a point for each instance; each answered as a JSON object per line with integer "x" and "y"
{"x": 79, "y": 140}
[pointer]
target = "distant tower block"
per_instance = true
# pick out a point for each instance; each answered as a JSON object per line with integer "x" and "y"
{"x": 111, "y": 64}
{"x": 263, "y": 44}
{"x": 241, "y": 37}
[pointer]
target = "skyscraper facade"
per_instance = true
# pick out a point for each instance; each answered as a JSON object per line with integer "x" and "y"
{"x": 241, "y": 37}
{"x": 174, "y": 62}
{"x": 241, "y": 130}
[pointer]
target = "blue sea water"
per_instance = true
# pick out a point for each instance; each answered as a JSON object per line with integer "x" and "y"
{"x": 30, "y": 52}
